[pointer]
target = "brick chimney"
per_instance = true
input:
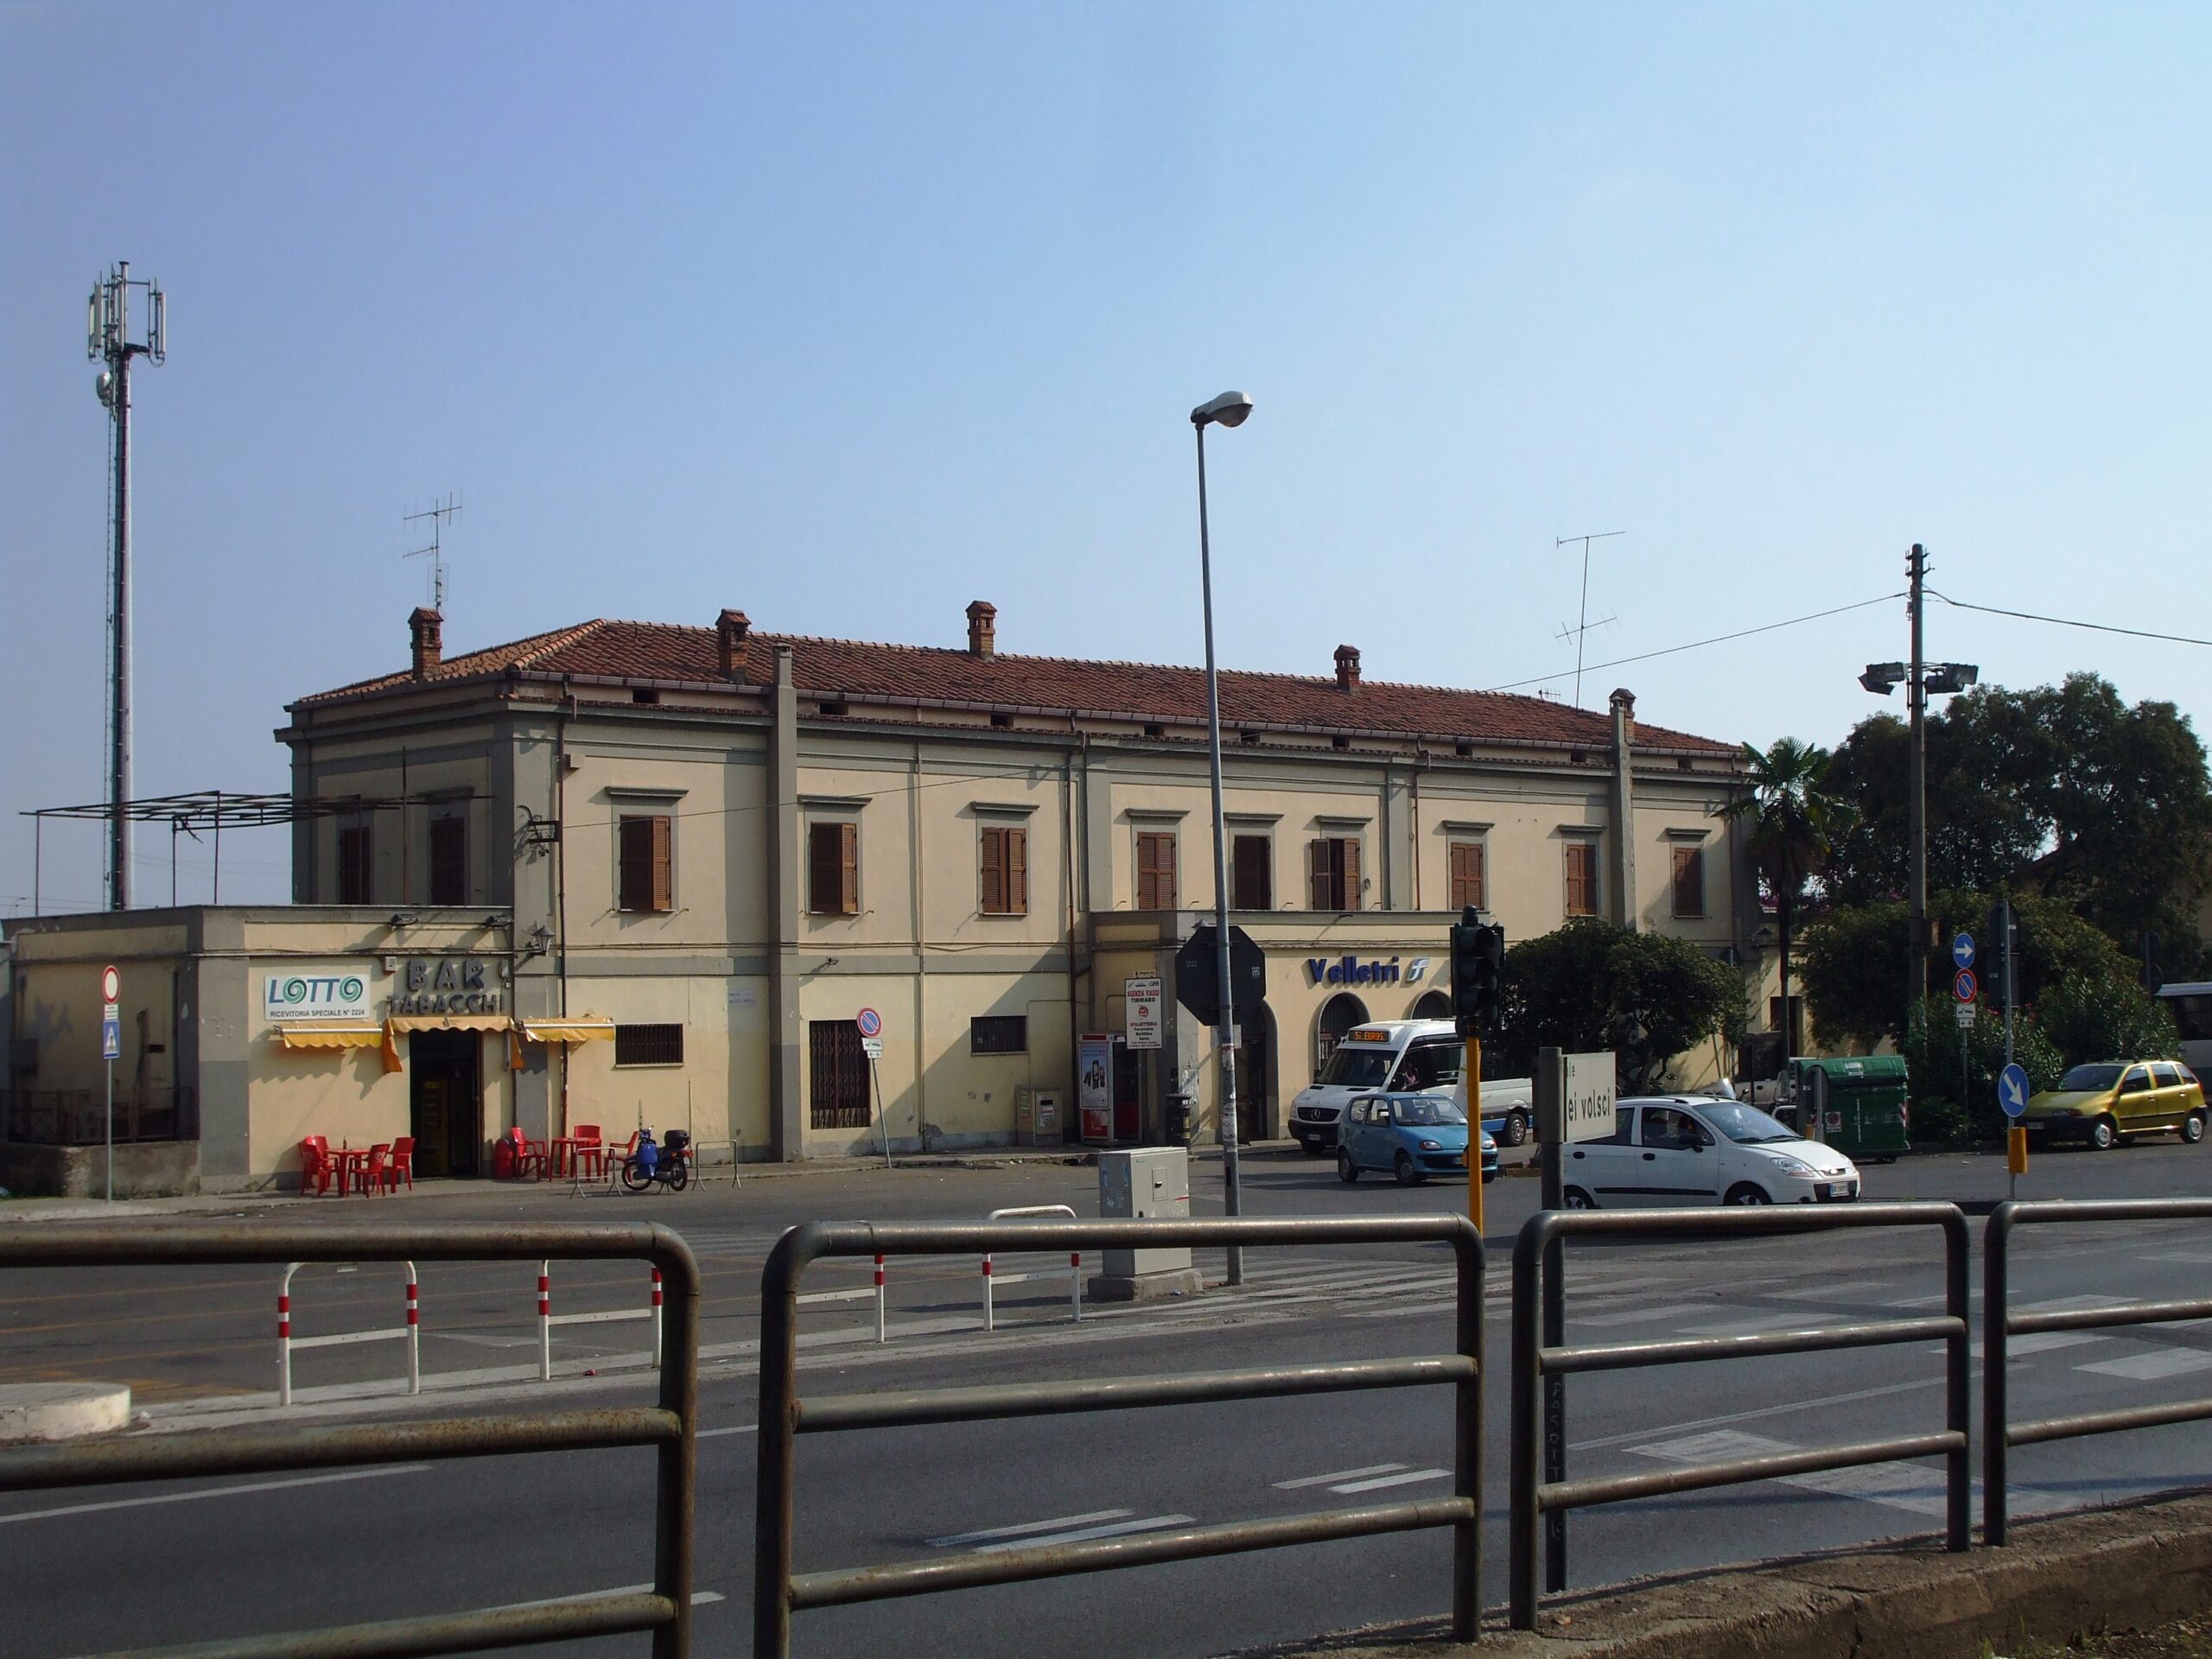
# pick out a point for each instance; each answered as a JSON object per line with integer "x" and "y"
{"x": 982, "y": 629}
{"x": 1347, "y": 668}
{"x": 1623, "y": 703}
{"x": 730, "y": 629}
{"x": 426, "y": 629}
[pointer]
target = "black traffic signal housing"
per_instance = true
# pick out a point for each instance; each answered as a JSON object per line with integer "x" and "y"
{"x": 1478, "y": 972}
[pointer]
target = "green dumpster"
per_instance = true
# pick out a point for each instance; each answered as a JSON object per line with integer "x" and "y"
{"x": 1864, "y": 1099}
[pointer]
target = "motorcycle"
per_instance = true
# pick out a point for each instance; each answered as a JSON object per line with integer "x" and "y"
{"x": 668, "y": 1165}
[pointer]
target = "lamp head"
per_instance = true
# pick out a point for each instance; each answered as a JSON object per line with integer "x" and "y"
{"x": 1953, "y": 676}
{"x": 1881, "y": 678}
{"x": 1228, "y": 410}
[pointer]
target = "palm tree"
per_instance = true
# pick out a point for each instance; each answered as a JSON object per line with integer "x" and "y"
{"x": 1793, "y": 821}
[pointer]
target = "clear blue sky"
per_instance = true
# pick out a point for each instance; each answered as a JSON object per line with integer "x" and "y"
{"x": 847, "y": 316}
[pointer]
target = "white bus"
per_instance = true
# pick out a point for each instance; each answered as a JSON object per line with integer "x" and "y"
{"x": 2192, "y": 1007}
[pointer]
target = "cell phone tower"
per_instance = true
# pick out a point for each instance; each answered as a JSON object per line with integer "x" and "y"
{"x": 107, "y": 339}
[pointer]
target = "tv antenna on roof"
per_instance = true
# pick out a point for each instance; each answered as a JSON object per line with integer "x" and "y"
{"x": 1583, "y": 624}
{"x": 437, "y": 514}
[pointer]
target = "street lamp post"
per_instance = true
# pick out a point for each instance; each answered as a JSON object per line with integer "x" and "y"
{"x": 1919, "y": 677}
{"x": 1231, "y": 409}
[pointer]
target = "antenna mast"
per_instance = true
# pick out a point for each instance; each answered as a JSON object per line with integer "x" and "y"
{"x": 1583, "y": 624}
{"x": 437, "y": 514}
{"x": 107, "y": 339}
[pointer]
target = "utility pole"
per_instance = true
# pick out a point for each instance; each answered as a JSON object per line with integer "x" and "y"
{"x": 107, "y": 339}
{"x": 1916, "y": 567}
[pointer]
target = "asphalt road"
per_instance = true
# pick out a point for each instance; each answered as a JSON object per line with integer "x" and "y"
{"x": 90, "y": 1569}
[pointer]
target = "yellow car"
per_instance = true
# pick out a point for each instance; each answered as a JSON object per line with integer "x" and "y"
{"x": 2111, "y": 1101}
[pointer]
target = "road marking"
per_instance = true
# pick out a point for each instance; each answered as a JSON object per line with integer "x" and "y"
{"x": 1110, "y": 1529}
{"x": 1896, "y": 1485}
{"x": 1341, "y": 1474}
{"x": 954, "y": 1541}
{"x": 713, "y": 1434}
{"x": 2148, "y": 1367}
{"x": 1850, "y": 1290}
{"x": 1380, "y": 1481}
{"x": 1748, "y": 1327}
{"x": 213, "y": 1491}
{"x": 1638, "y": 1315}
{"x": 2039, "y": 1342}
{"x": 1751, "y": 1412}
{"x": 699, "y": 1598}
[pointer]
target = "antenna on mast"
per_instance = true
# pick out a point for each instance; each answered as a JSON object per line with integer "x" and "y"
{"x": 437, "y": 514}
{"x": 1583, "y": 624}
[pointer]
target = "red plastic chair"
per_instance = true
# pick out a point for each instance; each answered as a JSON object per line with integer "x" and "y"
{"x": 403, "y": 1163}
{"x": 374, "y": 1173}
{"x": 617, "y": 1156}
{"x": 314, "y": 1164}
{"x": 589, "y": 1151}
{"x": 525, "y": 1155}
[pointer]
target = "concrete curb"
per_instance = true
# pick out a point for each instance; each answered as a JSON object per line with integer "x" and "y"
{"x": 62, "y": 1411}
{"x": 2060, "y": 1577}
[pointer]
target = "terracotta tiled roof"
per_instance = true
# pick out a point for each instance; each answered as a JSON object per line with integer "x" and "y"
{"x": 864, "y": 672}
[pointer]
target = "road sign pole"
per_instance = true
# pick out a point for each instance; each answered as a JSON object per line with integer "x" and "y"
{"x": 1474, "y": 1075}
{"x": 882, "y": 1117}
{"x": 111, "y": 1131}
{"x": 1551, "y": 1128}
{"x": 1226, "y": 1036}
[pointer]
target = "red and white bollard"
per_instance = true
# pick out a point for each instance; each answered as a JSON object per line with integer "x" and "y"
{"x": 545, "y": 1321}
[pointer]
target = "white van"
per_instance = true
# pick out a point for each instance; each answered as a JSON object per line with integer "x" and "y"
{"x": 1423, "y": 1056}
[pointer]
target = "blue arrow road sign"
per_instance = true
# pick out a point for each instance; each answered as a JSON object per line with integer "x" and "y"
{"x": 1962, "y": 950}
{"x": 2013, "y": 1091}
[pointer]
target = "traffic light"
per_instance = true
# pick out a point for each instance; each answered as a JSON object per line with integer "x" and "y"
{"x": 2003, "y": 934}
{"x": 1478, "y": 972}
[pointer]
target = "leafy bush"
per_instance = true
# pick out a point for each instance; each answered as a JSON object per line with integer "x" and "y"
{"x": 2107, "y": 1017}
{"x": 1955, "y": 1072}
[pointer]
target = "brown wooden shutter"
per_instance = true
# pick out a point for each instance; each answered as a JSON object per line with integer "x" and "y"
{"x": 1351, "y": 844}
{"x": 664, "y": 856}
{"x": 848, "y": 869}
{"x": 993, "y": 872}
{"x": 1466, "y": 875}
{"x": 1017, "y": 872}
{"x": 1168, "y": 894}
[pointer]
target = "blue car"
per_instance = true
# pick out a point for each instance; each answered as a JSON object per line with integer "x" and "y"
{"x": 1410, "y": 1136}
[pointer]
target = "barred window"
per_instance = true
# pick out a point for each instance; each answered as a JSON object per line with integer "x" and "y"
{"x": 999, "y": 1033}
{"x": 649, "y": 1045}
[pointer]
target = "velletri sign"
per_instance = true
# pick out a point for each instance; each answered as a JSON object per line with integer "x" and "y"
{"x": 1350, "y": 970}
{"x": 315, "y": 995}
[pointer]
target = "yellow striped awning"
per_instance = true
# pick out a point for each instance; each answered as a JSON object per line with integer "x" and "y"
{"x": 329, "y": 1036}
{"x": 588, "y": 1028}
{"x": 451, "y": 1022}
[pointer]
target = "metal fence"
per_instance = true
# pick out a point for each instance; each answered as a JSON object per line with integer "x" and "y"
{"x": 777, "y": 1593}
{"x": 78, "y": 1117}
{"x": 1541, "y": 1353}
{"x": 671, "y": 1427}
{"x": 1999, "y": 1323}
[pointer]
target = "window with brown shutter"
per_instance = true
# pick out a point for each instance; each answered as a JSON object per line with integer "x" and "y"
{"x": 645, "y": 873}
{"x": 1156, "y": 870}
{"x": 1006, "y": 872}
{"x": 1467, "y": 886}
{"x": 354, "y": 864}
{"x": 1582, "y": 878}
{"x": 449, "y": 860}
{"x": 1332, "y": 873}
{"x": 1252, "y": 873}
{"x": 1690, "y": 882}
{"x": 833, "y": 869}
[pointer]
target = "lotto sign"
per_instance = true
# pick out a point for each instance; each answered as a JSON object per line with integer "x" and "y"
{"x": 315, "y": 995}
{"x": 1140, "y": 1003}
{"x": 870, "y": 1022}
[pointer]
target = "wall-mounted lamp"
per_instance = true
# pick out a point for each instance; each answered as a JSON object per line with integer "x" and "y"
{"x": 402, "y": 919}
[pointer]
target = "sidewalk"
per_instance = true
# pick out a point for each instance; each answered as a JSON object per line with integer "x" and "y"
{"x": 240, "y": 1204}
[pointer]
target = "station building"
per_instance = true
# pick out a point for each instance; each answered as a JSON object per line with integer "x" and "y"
{"x": 686, "y": 859}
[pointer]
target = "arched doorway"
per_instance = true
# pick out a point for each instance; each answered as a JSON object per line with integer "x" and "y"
{"x": 1255, "y": 1076}
{"x": 1432, "y": 1005}
{"x": 1339, "y": 1015}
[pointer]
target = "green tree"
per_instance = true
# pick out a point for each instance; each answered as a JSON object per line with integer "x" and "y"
{"x": 1590, "y": 985}
{"x": 2062, "y": 791}
{"x": 1855, "y": 973}
{"x": 1793, "y": 821}
{"x": 1954, "y": 1072}
{"x": 2107, "y": 1017}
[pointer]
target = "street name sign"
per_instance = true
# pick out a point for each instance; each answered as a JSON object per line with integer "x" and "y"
{"x": 1962, "y": 950}
{"x": 1587, "y": 1100}
{"x": 1141, "y": 1009}
{"x": 2013, "y": 1091}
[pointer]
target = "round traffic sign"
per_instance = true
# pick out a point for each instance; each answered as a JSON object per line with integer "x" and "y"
{"x": 111, "y": 984}
{"x": 1963, "y": 985}
{"x": 2013, "y": 1091}
{"x": 870, "y": 1022}
{"x": 1962, "y": 950}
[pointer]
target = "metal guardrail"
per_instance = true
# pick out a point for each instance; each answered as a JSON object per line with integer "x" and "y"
{"x": 1536, "y": 1357}
{"x": 1999, "y": 1323}
{"x": 777, "y": 1593}
{"x": 670, "y": 1427}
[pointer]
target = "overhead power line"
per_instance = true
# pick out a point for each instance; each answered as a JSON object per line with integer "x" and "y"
{"x": 2069, "y": 622}
{"x": 1700, "y": 644}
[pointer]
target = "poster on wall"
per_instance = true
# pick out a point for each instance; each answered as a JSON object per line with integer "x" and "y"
{"x": 1094, "y": 1076}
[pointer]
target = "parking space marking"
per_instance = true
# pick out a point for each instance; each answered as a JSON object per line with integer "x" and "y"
{"x": 1340, "y": 1474}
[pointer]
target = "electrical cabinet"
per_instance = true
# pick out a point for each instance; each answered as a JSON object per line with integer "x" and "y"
{"x": 1144, "y": 1184}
